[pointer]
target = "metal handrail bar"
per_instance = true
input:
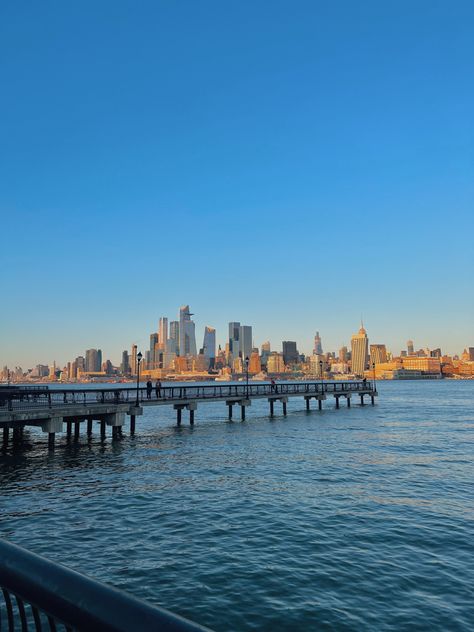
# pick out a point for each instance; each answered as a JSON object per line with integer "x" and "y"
{"x": 74, "y": 600}
{"x": 63, "y": 397}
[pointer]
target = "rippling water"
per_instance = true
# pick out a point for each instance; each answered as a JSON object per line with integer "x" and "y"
{"x": 349, "y": 519}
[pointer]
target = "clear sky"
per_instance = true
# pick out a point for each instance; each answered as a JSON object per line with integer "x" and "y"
{"x": 287, "y": 164}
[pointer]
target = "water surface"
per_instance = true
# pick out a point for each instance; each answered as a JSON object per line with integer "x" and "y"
{"x": 350, "y": 519}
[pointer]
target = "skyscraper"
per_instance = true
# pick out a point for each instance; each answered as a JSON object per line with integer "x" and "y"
{"x": 133, "y": 361}
{"x": 410, "y": 347}
{"x": 318, "y": 347}
{"x": 245, "y": 340}
{"x": 163, "y": 332}
{"x": 360, "y": 352}
{"x": 174, "y": 337}
{"x": 153, "y": 343}
{"x": 93, "y": 360}
{"x": 290, "y": 352}
{"x": 234, "y": 339}
{"x": 187, "y": 334}
{"x": 378, "y": 354}
{"x": 125, "y": 366}
{"x": 343, "y": 354}
{"x": 209, "y": 345}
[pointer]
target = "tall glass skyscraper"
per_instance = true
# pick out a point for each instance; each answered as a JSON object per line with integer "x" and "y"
{"x": 209, "y": 345}
{"x": 245, "y": 341}
{"x": 187, "y": 334}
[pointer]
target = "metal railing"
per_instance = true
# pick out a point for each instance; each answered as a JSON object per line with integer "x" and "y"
{"x": 41, "y": 595}
{"x": 61, "y": 398}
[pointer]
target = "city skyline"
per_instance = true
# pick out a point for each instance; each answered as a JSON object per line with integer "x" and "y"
{"x": 184, "y": 321}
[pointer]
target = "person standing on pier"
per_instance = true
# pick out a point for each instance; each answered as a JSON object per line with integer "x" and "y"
{"x": 158, "y": 389}
{"x": 149, "y": 388}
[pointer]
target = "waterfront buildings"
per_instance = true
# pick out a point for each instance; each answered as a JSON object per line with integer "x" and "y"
{"x": 360, "y": 352}
{"x": 209, "y": 346}
{"x": 187, "y": 334}
{"x": 290, "y": 352}
{"x": 318, "y": 347}
{"x": 378, "y": 354}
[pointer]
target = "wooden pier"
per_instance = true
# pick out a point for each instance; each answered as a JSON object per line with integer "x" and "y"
{"x": 57, "y": 409}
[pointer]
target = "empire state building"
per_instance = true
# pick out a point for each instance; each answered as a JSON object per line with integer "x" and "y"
{"x": 360, "y": 352}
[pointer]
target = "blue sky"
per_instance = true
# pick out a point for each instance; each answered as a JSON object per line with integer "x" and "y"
{"x": 291, "y": 165}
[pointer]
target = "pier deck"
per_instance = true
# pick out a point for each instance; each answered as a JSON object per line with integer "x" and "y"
{"x": 52, "y": 409}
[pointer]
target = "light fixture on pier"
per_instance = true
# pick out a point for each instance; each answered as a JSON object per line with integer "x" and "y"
{"x": 139, "y": 359}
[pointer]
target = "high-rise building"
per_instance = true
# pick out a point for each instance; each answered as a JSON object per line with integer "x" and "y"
{"x": 209, "y": 346}
{"x": 93, "y": 360}
{"x": 187, "y": 334}
{"x": 471, "y": 354}
{"x": 234, "y": 339}
{"x": 133, "y": 360}
{"x": 343, "y": 354}
{"x": 125, "y": 365}
{"x": 174, "y": 337}
{"x": 245, "y": 341}
{"x": 410, "y": 347}
{"x": 266, "y": 350}
{"x": 163, "y": 332}
{"x": 153, "y": 343}
{"x": 359, "y": 352}
{"x": 290, "y": 352}
{"x": 275, "y": 363}
{"x": 318, "y": 347}
{"x": 378, "y": 354}
{"x": 254, "y": 364}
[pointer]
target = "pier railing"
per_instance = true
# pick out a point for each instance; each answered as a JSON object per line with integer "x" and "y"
{"x": 41, "y": 595}
{"x": 26, "y": 398}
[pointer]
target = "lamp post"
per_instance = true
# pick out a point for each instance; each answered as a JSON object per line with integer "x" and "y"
{"x": 247, "y": 377}
{"x": 373, "y": 370}
{"x": 321, "y": 375}
{"x": 139, "y": 359}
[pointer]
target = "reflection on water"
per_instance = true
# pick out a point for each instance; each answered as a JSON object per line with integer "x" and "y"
{"x": 360, "y": 518}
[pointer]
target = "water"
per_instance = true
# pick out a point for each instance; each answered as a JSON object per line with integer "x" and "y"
{"x": 355, "y": 519}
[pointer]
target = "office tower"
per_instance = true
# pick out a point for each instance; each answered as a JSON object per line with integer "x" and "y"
{"x": 410, "y": 347}
{"x": 378, "y": 354}
{"x": 187, "y": 335}
{"x": 125, "y": 365}
{"x": 93, "y": 360}
{"x": 133, "y": 361}
{"x": 359, "y": 351}
{"x": 163, "y": 332}
{"x": 275, "y": 363}
{"x": 266, "y": 350}
{"x": 245, "y": 341}
{"x": 254, "y": 363}
{"x": 234, "y": 339}
{"x": 290, "y": 352}
{"x": 153, "y": 343}
{"x": 343, "y": 354}
{"x": 471, "y": 354}
{"x": 209, "y": 346}
{"x": 81, "y": 364}
{"x": 174, "y": 337}
{"x": 318, "y": 347}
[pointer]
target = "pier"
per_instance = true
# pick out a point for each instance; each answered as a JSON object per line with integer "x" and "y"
{"x": 66, "y": 410}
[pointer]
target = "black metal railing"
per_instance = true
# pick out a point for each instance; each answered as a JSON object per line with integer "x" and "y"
{"x": 41, "y": 595}
{"x": 60, "y": 398}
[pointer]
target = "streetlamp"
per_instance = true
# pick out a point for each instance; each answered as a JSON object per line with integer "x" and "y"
{"x": 321, "y": 375}
{"x": 139, "y": 359}
{"x": 247, "y": 376}
{"x": 373, "y": 369}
